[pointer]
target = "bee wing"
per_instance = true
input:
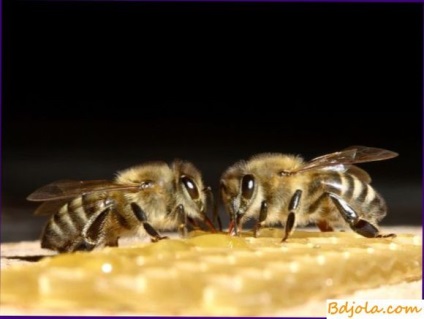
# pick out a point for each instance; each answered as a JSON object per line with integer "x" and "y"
{"x": 351, "y": 155}
{"x": 65, "y": 189}
{"x": 370, "y": 154}
{"x": 359, "y": 173}
{"x": 50, "y": 207}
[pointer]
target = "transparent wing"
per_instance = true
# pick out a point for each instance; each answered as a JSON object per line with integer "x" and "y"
{"x": 90, "y": 203}
{"x": 50, "y": 207}
{"x": 347, "y": 157}
{"x": 370, "y": 154}
{"x": 69, "y": 188}
{"x": 359, "y": 173}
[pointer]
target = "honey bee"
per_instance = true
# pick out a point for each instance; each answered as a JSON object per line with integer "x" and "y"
{"x": 328, "y": 190}
{"x": 90, "y": 214}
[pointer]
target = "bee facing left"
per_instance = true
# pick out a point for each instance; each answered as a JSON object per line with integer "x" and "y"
{"x": 329, "y": 190}
{"x": 89, "y": 214}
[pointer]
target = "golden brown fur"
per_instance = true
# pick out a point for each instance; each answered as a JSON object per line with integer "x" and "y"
{"x": 276, "y": 178}
{"x": 98, "y": 213}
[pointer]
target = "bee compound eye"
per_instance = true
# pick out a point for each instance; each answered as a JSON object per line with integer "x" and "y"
{"x": 146, "y": 184}
{"x": 284, "y": 173}
{"x": 190, "y": 187}
{"x": 247, "y": 186}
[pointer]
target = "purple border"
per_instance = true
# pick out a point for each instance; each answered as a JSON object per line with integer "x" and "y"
{"x": 257, "y": 1}
{"x": 199, "y": 1}
{"x": 1, "y": 109}
{"x": 422, "y": 137}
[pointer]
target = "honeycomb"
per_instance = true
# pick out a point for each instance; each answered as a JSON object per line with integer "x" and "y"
{"x": 213, "y": 274}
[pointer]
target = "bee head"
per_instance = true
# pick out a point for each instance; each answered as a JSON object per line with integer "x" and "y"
{"x": 190, "y": 189}
{"x": 239, "y": 192}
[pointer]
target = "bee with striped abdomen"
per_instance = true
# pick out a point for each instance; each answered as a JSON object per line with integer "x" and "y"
{"x": 89, "y": 214}
{"x": 328, "y": 190}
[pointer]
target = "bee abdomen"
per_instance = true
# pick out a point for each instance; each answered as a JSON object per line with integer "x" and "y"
{"x": 64, "y": 229}
{"x": 361, "y": 196}
{"x": 347, "y": 186}
{"x": 372, "y": 204}
{"x": 369, "y": 203}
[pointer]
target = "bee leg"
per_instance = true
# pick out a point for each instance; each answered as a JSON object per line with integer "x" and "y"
{"x": 365, "y": 228}
{"x": 141, "y": 216}
{"x": 235, "y": 225}
{"x": 262, "y": 216}
{"x": 324, "y": 226}
{"x": 291, "y": 218}
{"x": 80, "y": 245}
{"x": 289, "y": 227}
{"x": 359, "y": 225}
{"x": 386, "y": 236}
{"x": 112, "y": 242}
{"x": 231, "y": 227}
{"x": 182, "y": 217}
{"x": 193, "y": 223}
{"x": 93, "y": 231}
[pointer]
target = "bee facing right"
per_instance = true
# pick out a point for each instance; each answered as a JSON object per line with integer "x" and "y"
{"x": 141, "y": 200}
{"x": 328, "y": 191}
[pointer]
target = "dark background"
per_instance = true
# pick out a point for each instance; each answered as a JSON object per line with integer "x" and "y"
{"x": 90, "y": 88}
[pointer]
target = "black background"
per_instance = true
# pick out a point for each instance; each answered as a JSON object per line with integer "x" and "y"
{"x": 90, "y": 88}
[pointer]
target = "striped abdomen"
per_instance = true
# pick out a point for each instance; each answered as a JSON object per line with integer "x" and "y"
{"x": 359, "y": 195}
{"x": 64, "y": 230}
